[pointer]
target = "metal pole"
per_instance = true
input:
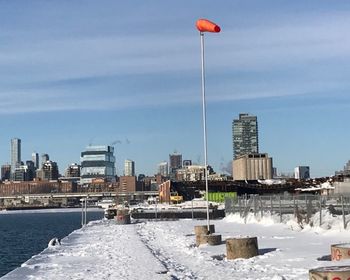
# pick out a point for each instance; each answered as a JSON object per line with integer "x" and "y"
{"x": 192, "y": 207}
{"x": 295, "y": 213}
{"x": 204, "y": 126}
{"x": 82, "y": 212}
{"x": 343, "y": 212}
{"x": 254, "y": 205}
{"x": 155, "y": 212}
{"x": 320, "y": 210}
{"x": 271, "y": 205}
{"x": 239, "y": 207}
{"x": 85, "y": 209}
{"x": 280, "y": 209}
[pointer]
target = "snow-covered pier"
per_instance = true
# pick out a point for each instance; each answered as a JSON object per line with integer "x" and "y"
{"x": 166, "y": 250}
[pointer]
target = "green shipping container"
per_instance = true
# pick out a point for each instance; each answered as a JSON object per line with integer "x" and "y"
{"x": 220, "y": 196}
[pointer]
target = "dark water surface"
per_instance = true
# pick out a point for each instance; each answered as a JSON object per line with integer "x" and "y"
{"x": 24, "y": 234}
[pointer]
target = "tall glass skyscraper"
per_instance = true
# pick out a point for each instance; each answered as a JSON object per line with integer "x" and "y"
{"x": 15, "y": 153}
{"x": 97, "y": 162}
{"x": 245, "y": 135}
{"x": 129, "y": 168}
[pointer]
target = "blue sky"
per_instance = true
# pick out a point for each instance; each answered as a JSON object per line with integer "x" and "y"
{"x": 79, "y": 72}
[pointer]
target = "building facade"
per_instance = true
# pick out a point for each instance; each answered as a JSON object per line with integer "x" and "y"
{"x": 191, "y": 173}
{"x": 127, "y": 184}
{"x": 5, "y": 172}
{"x": 44, "y": 158}
{"x": 35, "y": 159}
{"x": 245, "y": 135}
{"x": 72, "y": 171}
{"x": 129, "y": 168}
{"x": 15, "y": 153}
{"x": 49, "y": 171}
{"x": 302, "y": 172}
{"x": 175, "y": 162}
{"x": 252, "y": 167}
{"x": 163, "y": 169}
{"x": 97, "y": 162}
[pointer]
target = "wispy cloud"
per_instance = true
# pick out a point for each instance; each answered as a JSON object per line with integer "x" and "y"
{"x": 291, "y": 57}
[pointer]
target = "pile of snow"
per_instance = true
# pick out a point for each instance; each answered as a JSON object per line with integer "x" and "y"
{"x": 319, "y": 222}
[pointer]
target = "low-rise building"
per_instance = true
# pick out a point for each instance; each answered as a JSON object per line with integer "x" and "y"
{"x": 252, "y": 167}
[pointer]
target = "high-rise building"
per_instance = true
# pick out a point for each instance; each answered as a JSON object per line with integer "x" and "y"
{"x": 97, "y": 162}
{"x": 15, "y": 153}
{"x": 175, "y": 162}
{"x": 245, "y": 135}
{"x": 302, "y": 172}
{"x": 50, "y": 170}
{"x": 72, "y": 171}
{"x": 163, "y": 169}
{"x": 5, "y": 172}
{"x": 44, "y": 158}
{"x": 35, "y": 159}
{"x": 24, "y": 172}
{"x": 129, "y": 168}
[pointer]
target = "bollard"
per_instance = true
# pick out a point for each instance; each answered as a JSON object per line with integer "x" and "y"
{"x": 245, "y": 248}
{"x": 330, "y": 273}
{"x": 212, "y": 239}
{"x": 340, "y": 251}
{"x": 202, "y": 231}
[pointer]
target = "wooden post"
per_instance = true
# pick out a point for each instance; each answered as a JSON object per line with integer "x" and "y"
{"x": 330, "y": 273}
{"x": 241, "y": 248}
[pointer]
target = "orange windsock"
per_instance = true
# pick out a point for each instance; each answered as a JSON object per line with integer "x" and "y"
{"x": 204, "y": 25}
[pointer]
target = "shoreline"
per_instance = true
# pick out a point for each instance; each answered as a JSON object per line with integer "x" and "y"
{"x": 49, "y": 210}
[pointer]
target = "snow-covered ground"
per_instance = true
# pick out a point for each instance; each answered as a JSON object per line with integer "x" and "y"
{"x": 166, "y": 250}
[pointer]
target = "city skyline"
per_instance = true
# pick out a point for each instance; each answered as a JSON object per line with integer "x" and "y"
{"x": 129, "y": 74}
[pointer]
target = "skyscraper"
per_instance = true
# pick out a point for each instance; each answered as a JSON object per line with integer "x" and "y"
{"x": 129, "y": 168}
{"x": 175, "y": 162}
{"x": 15, "y": 153}
{"x": 245, "y": 135}
{"x": 35, "y": 159}
{"x": 163, "y": 169}
{"x": 44, "y": 158}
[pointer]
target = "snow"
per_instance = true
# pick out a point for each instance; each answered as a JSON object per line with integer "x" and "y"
{"x": 166, "y": 250}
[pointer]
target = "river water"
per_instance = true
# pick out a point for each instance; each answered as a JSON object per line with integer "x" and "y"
{"x": 24, "y": 234}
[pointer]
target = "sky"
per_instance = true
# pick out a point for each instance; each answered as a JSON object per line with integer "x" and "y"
{"x": 75, "y": 73}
